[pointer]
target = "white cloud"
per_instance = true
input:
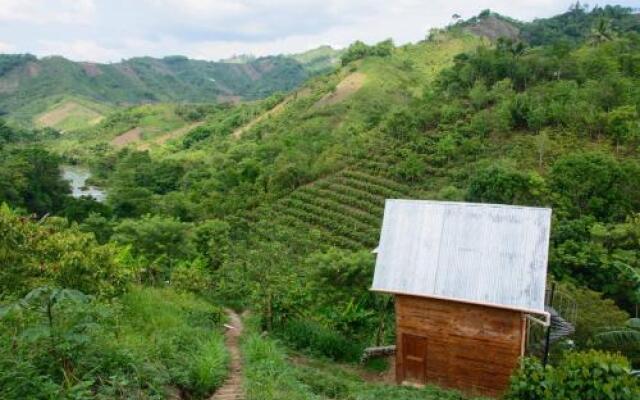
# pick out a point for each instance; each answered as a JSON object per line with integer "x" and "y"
{"x": 43, "y": 11}
{"x": 84, "y": 50}
{"x": 6, "y": 47}
{"x": 108, "y": 30}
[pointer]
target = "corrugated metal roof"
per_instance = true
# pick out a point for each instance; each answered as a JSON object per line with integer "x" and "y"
{"x": 480, "y": 253}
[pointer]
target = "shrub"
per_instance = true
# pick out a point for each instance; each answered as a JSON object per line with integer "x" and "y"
{"x": 305, "y": 335}
{"x": 359, "y": 50}
{"x": 505, "y": 185}
{"x": 531, "y": 382}
{"x": 595, "y": 184}
{"x": 268, "y": 375}
{"x": 134, "y": 348}
{"x": 595, "y": 375}
{"x": 584, "y": 375}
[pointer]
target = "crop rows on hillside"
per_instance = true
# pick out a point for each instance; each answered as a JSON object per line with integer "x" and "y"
{"x": 345, "y": 210}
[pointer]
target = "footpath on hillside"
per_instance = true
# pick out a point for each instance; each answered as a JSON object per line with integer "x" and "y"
{"x": 232, "y": 388}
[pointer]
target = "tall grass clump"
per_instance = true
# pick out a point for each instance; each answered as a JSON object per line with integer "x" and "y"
{"x": 268, "y": 376}
{"x": 60, "y": 344}
{"x": 318, "y": 340}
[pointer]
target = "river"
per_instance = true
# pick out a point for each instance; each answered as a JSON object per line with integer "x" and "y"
{"x": 77, "y": 177}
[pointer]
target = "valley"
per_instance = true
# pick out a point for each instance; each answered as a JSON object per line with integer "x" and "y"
{"x": 225, "y": 250}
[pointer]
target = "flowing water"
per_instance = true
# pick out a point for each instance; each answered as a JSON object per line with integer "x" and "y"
{"x": 77, "y": 177}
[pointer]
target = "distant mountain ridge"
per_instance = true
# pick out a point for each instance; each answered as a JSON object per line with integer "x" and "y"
{"x": 30, "y": 85}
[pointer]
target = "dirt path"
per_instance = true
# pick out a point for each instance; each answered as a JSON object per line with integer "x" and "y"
{"x": 270, "y": 113}
{"x": 160, "y": 140}
{"x": 348, "y": 86}
{"x": 232, "y": 388}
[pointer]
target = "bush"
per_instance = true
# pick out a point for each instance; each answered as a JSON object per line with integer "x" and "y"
{"x": 595, "y": 375}
{"x": 305, "y": 335}
{"x": 138, "y": 347}
{"x": 505, "y": 185}
{"x": 531, "y": 382}
{"x": 359, "y": 50}
{"x": 586, "y": 375}
{"x": 595, "y": 184}
{"x": 268, "y": 375}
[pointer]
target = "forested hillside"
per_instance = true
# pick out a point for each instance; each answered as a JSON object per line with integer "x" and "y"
{"x": 53, "y": 89}
{"x": 274, "y": 206}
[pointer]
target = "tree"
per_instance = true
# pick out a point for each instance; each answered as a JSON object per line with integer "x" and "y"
{"x": 623, "y": 125}
{"x": 625, "y": 337}
{"x": 601, "y": 32}
{"x": 52, "y": 251}
{"x": 359, "y": 50}
{"x": 162, "y": 241}
{"x": 31, "y": 178}
{"x": 505, "y": 185}
{"x": 213, "y": 242}
{"x": 595, "y": 184}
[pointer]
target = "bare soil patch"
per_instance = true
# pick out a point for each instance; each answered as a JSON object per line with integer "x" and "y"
{"x": 160, "y": 140}
{"x": 91, "y": 69}
{"x": 128, "y": 137}
{"x": 66, "y": 110}
{"x": 227, "y": 98}
{"x": 348, "y": 86}
{"x": 272, "y": 112}
{"x": 33, "y": 69}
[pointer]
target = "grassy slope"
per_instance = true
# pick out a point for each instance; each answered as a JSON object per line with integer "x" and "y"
{"x": 154, "y": 120}
{"x": 344, "y": 207}
{"x": 30, "y": 87}
{"x": 69, "y": 113}
{"x": 150, "y": 343}
{"x": 271, "y": 372}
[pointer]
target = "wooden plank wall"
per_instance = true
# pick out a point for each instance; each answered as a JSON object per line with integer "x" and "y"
{"x": 470, "y": 347}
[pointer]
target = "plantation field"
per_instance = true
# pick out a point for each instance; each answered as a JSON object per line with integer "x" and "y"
{"x": 270, "y": 207}
{"x": 69, "y": 116}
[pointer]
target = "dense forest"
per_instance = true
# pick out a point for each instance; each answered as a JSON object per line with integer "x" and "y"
{"x": 272, "y": 206}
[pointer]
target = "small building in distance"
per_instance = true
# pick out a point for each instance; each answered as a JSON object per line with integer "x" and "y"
{"x": 465, "y": 277}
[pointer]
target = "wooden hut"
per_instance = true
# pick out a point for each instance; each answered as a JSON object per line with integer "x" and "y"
{"x": 465, "y": 278}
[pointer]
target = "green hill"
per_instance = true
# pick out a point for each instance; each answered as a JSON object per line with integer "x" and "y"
{"x": 274, "y": 205}
{"x": 30, "y": 86}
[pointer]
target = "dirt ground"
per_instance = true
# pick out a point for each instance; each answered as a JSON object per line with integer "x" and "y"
{"x": 59, "y": 114}
{"x": 232, "y": 388}
{"x": 348, "y": 86}
{"x": 131, "y": 136}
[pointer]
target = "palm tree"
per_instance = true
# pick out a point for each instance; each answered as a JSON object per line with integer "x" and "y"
{"x": 601, "y": 32}
{"x": 624, "y": 336}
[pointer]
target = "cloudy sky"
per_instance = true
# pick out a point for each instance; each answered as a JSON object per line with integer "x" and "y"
{"x": 109, "y": 30}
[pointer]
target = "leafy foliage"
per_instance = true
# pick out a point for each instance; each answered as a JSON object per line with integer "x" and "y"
{"x": 359, "y": 50}
{"x": 56, "y": 343}
{"x": 30, "y": 178}
{"x": 51, "y": 251}
{"x": 144, "y": 79}
{"x": 589, "y": 375}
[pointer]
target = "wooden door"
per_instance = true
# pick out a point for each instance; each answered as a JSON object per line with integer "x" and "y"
{"x": 414, "y": 353}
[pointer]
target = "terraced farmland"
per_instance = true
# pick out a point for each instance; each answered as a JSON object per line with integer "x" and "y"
{"x": 343, "y": 210}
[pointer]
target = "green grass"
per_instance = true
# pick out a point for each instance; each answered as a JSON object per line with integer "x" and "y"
{"x": 145, "y": 345}
{"x": 270, "y": 374}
